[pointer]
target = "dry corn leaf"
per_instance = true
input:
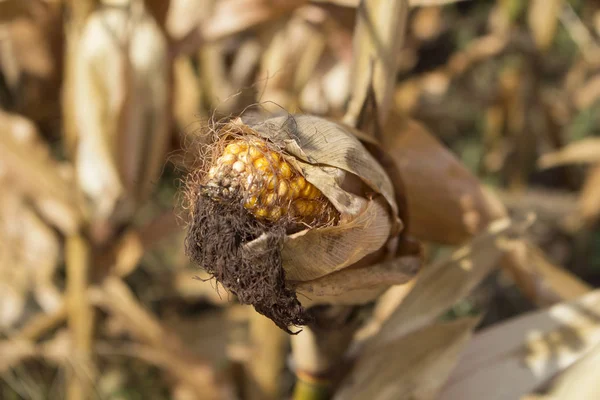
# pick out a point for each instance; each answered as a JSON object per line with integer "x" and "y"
{"x": 13, "y": 352}
{"x": 121, "y": 101}
{"x": 542, "y": 18}
{"x": 579, "y": 381}
{"x": 443, "y": 283}
{"x": 378, "y": 38}
{"x": 336, "y": 247}
{"x": 30, "y": 251}
{"x": 165, "y": 348}
{"x": 268, "y": 352}
{"x": 584, "y": 151}
{"x": 185, "y": 15}
{"x": 414, "y": 366}
{"x": 589, "y": 198}
{"x": 230, "y": 17}
{"x": 412, "y": 3}
{"x": 31, "y": 58}
{"x": 11, "y": 9}
{"x": 25, "y": 160}
{"x": 446, "y": 203}
{"x": 549, "y": 283}
{"x": 187, "y": 99}
{"x": 517, "y": 356}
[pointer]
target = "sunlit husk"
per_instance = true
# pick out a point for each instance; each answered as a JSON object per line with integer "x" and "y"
{"x": 446, "y": 203}
{"x": 520, "y": 355}
{"x": 331, "y": 158}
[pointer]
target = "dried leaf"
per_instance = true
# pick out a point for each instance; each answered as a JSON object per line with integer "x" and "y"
{"x": 30, "y": 252}
{"x": 233, "y": 16}
{"x": 580, "y": 381}
{"x": 541, "y": 281}
{"x": 164, "y": 348}
{"x": 582, "y": 151}
{"x": 542, "y": 18}
{"x": 121, "y": 104}
{"x": 25, "y": 161}
{"x": 517, "y": 356}
{"x": 589, "y": 198}
{"x": 12, "y": 352}
{"x": 443, "y": 283}
{"x": 409, "y": 367}
{"x": 460, "y": 207}
{"x": 187, "y": 99}
{"x": 378, "y": 38}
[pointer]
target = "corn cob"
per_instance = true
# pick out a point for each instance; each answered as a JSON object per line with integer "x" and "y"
{"x": 270, "y": 187}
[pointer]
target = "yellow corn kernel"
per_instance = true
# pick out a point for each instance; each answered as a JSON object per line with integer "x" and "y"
{"x": 302, "y": 207}
{"x": 261, "y": 212}
{"x": 306, "y": 192}
{"x": 269, "y": 199}
{"x": 254, "y": 152}
{"x": 234, "y": 148}
{"x": 251, "y": 202}
{"x": 294, "y": 190}
{"x": 243, "y": 157}
{"x": 301, "y": 182}
{"x": 282, "y": 189}
{"x": 285, "y": 170}
{"x": 272, "y": 182}
{"x": 212, "y": 172}
{"x": 275, "y": 158}
{"x": 228, "y": 159}
{"x": 275, "y": 213}
{"x": 262, "y": 164}
{"x": 238, "y": 167}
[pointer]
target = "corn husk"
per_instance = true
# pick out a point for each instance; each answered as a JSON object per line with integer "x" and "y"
{"x": 460, "y": 207}
{"x": 410, "y": 367}
{"x": 327, "y": 154}
{"x": 120, "y": 100}
{"x": 518, "y": 356}
{"x": 577, "y": 382}
{"x": 443, "y": 283}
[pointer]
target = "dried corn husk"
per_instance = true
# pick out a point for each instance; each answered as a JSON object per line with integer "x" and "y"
{"x": 414, "y": 366}
{"x": 518, "y": 356}
{"x": 121, "y": 101}
{"x": 443, "y": 283}
{"x": 446, "y": 203}
{"x": 327, "y": 154}
{"x": 348, "y": 260}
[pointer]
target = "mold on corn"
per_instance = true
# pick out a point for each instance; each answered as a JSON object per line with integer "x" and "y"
{"x": 270, "y": 187}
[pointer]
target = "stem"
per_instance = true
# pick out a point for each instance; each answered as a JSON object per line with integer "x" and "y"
{"x": 80, "y": 317}
{"x": 263, "y": 370}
